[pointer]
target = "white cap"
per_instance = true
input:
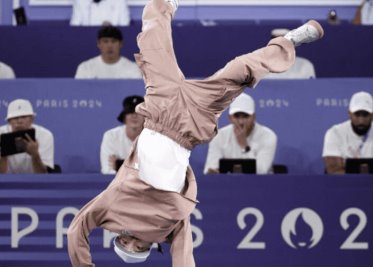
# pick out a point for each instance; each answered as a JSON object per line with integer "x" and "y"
{"x": 361, "y": 101}
{"x": 18, "y": 108}
{"x": 128, "y": 256}
{"x": 279, "y": 32}
{"x": 243, "y": 103}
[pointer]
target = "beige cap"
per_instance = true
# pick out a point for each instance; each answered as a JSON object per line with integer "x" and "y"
{"x": 243, "y": 103}
{"x": 361, "y": 101}
{"x": 18, "y": 108}
{"x": 128, "y": 256}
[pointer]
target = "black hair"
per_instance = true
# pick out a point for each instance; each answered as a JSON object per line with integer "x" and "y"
{"x": 129, "y": 105}
{"x": 111, "y": 32}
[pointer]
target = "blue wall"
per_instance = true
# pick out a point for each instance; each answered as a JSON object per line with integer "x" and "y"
{"x": 46, "y": 50}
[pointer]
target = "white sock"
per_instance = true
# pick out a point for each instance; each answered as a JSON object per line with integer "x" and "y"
{"x": 174, "y": 3}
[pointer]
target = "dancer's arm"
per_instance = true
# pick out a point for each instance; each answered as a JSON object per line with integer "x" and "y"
{"x": 89, "y": 217}
{"x": 182, "y": 245}
{"x": 78, "y": 242}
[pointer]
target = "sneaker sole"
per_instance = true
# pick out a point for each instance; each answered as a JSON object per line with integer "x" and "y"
{"x": 318, "y": 27}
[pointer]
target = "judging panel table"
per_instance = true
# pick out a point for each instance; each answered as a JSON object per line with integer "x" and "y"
{"x": 78, "y": 112}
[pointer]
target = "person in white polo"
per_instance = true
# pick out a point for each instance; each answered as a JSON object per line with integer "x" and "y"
{"x": 242, "y": 139}
{"x": 6, "y": 72}
{"x": 352, "y": 138}
{"x": 39, "y": 154}
{"x": 110, "y": 64}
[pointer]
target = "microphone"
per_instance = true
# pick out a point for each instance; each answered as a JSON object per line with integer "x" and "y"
{"x": 246, "y": 149}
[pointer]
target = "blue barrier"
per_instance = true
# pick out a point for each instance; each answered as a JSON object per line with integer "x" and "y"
{"x": 56, "y": 50}
{"x": 242, "y": 220}
{"x": 78, "y": 112}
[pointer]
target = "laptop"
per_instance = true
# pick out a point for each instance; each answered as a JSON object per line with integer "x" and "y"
{"x": 12, "y": 143}
{"x": 237, "y": 166}
{"x": 362, "y": 165}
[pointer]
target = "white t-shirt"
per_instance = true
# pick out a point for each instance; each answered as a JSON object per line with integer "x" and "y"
{"x": 88, "y": 13}
{"x": 302, "y": 69}
{"x": 341, "y": 141}
{"x": 22, "y": 163}
{"x": 367, "y": 13}
{"x": 96, "y": 68}
{"x": 162, "y": 162}
{"x": 114, "y": 142}
{"x": 6, "y": 72}
{"x": 262, "y": 142}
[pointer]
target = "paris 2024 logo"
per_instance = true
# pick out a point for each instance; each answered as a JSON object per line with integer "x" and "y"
{"x": 302, "y": 228}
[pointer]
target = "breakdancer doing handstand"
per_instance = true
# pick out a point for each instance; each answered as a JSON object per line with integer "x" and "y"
{"x": 153, "y": 194}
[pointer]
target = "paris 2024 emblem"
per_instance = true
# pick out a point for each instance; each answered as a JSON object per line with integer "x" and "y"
{"x": 302, "y": 228}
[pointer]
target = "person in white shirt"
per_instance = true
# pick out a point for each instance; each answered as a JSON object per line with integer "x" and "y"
{"x": 364, "y": 13}
{"x": 100, "y": 12}
{"x": 117, "y": 142}
{"x": 243, "y": 138}
{"x": 301, "y": 69}
{"x": 352, "y": 138}
{"x": 6, "y": 72}
{"x": 39, "y": 154}
{"x": 109, "y": 64}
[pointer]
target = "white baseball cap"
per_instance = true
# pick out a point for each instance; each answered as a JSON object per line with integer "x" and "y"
{"x": 243, "y": 103}
{"x": 361, "y": 101}
{"x": 18, "y": 108}
{"x": 129, "y": 256}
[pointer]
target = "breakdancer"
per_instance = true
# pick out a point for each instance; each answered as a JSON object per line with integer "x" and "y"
{"x": 153, "y": 194}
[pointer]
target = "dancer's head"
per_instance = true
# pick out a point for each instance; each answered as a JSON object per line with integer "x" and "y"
{"x": 131, "y": 249}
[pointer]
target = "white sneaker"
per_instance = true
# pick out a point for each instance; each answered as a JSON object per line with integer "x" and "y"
{"x": 307, "y": 33}
{"x": 174, "y": 3}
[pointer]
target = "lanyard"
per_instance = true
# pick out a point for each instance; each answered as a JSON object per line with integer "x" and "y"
{"x": 364, "y": 140}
